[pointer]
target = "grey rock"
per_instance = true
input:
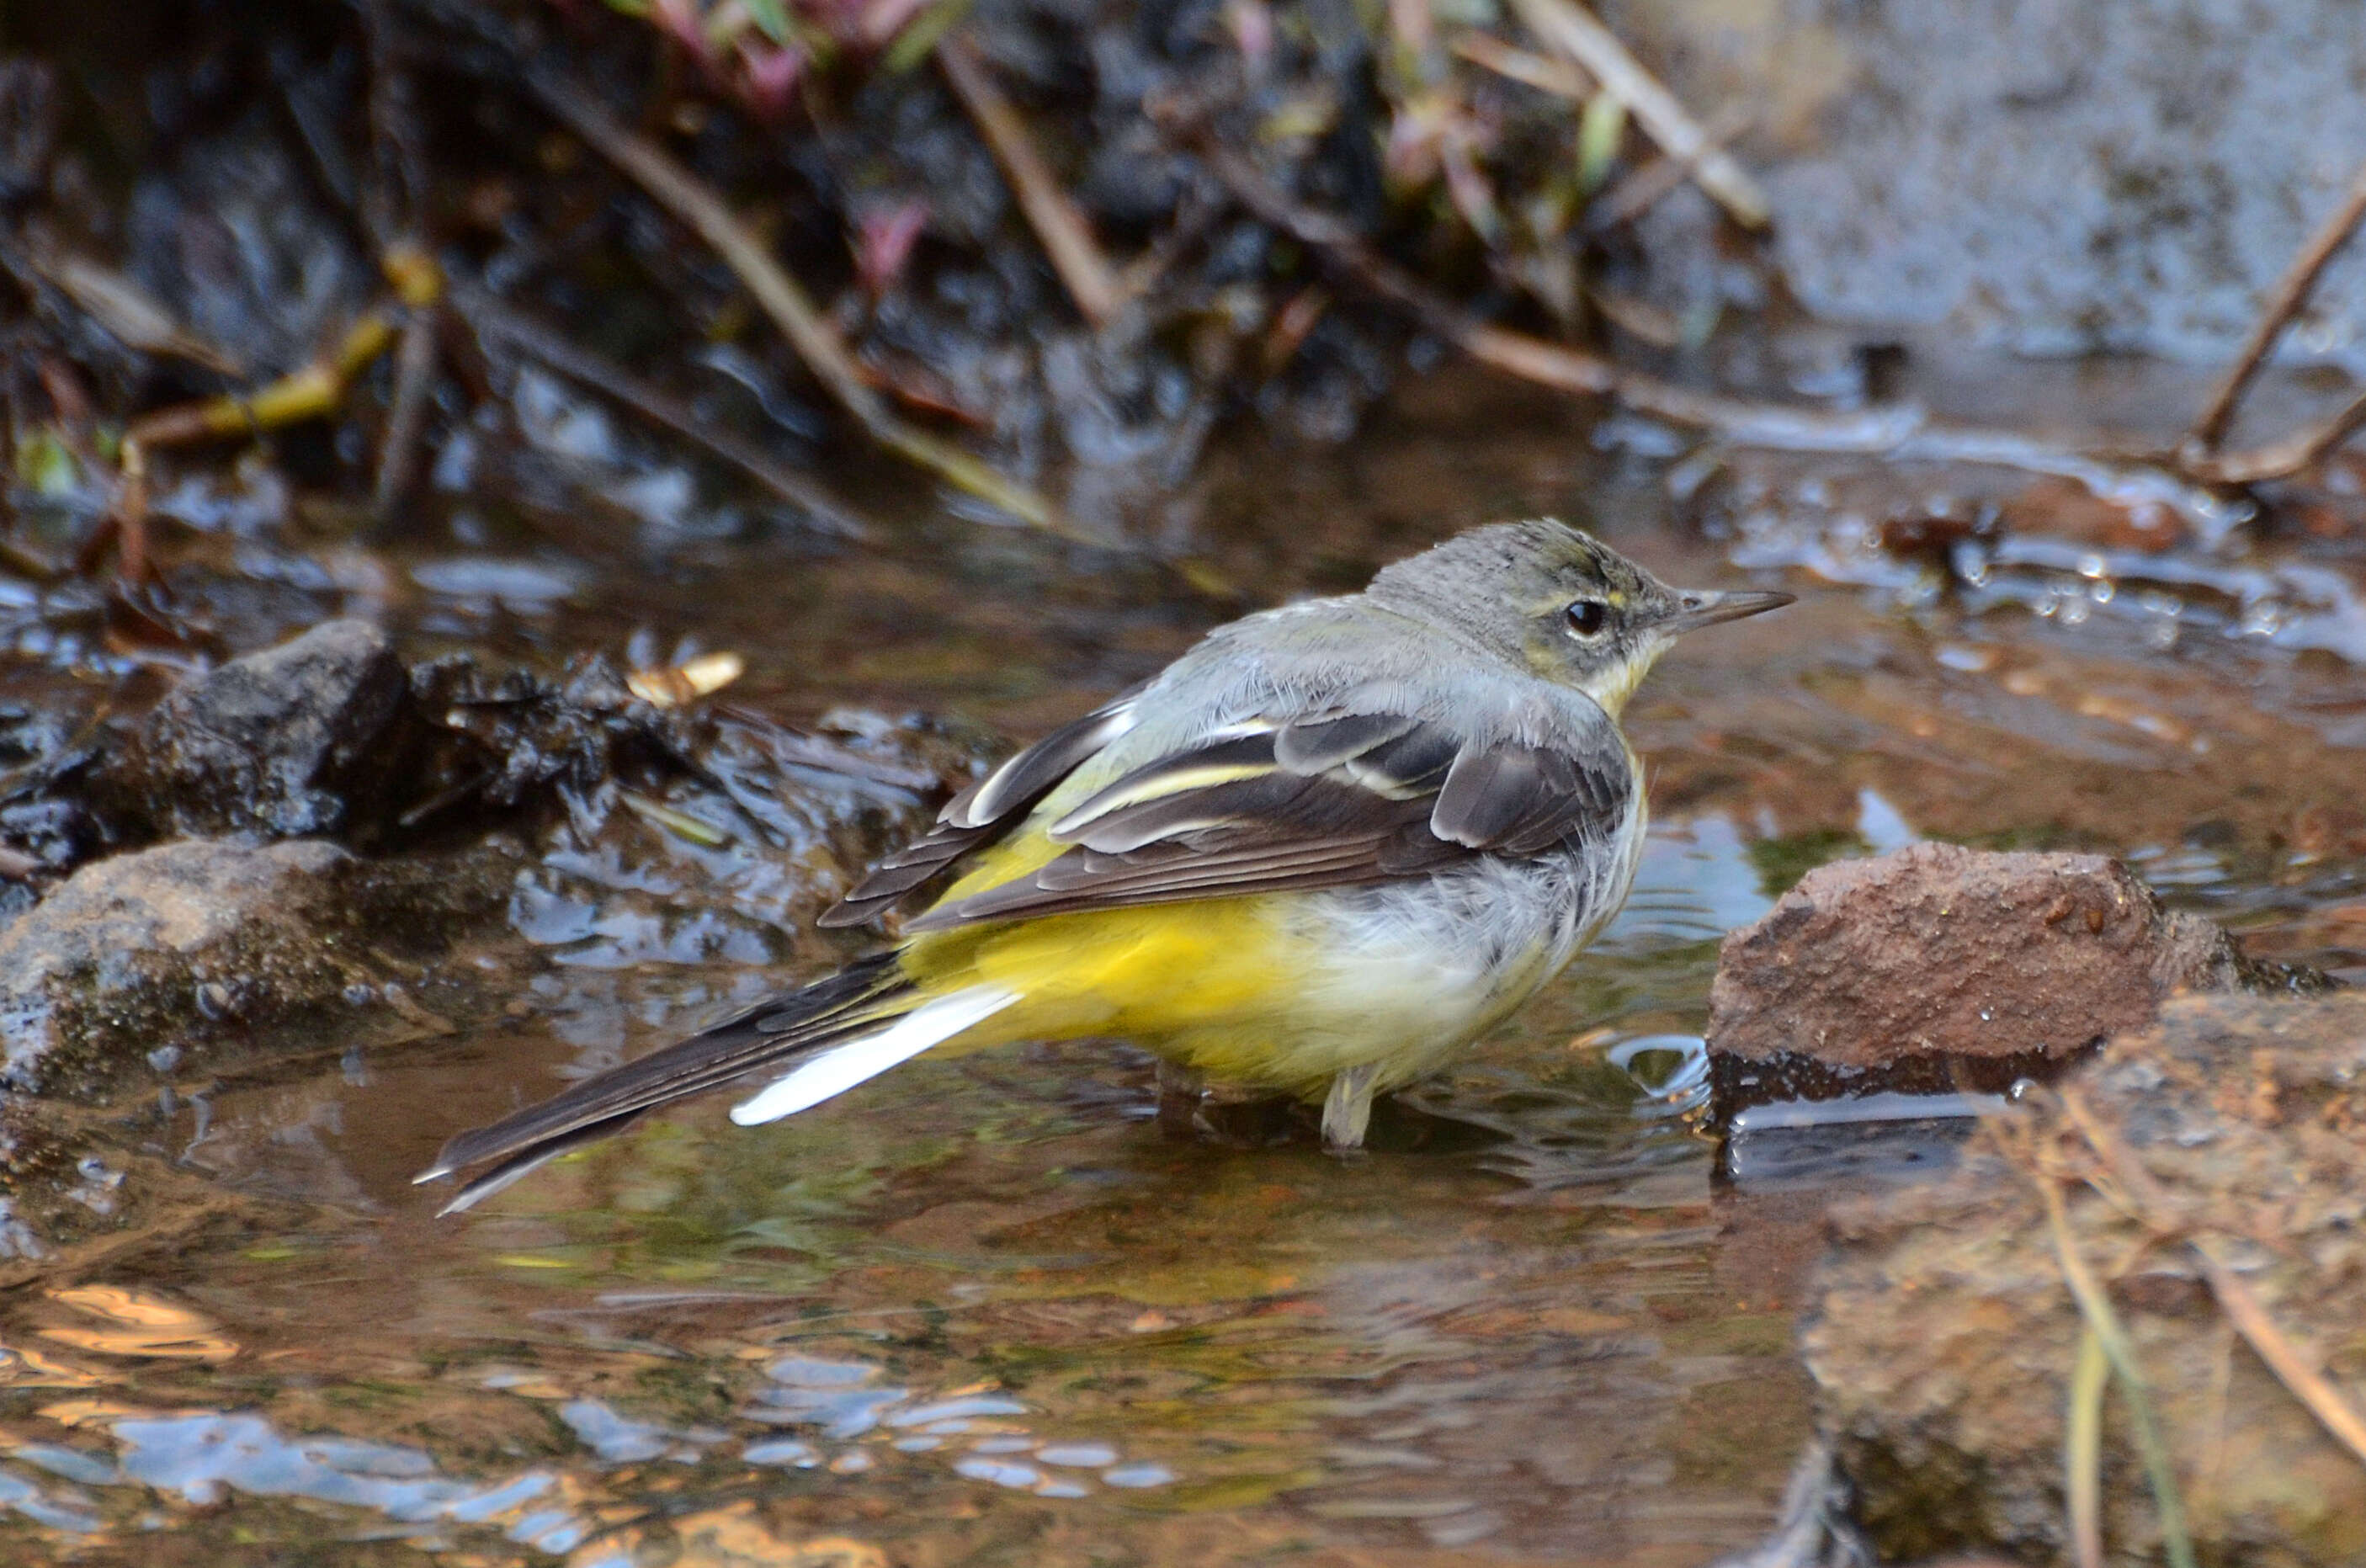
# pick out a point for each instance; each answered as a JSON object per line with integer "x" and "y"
{"x": 2048, "y": 176}
{"x": 203, "y": 947}
{"x": 272, "y": 742}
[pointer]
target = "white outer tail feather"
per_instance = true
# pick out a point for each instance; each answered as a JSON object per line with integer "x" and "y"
{"x": 840, "y": 1067}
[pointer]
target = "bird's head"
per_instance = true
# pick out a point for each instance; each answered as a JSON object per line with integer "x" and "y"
{"x": 1559, "y": 602}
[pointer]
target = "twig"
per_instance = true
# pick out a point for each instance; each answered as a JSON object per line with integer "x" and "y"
{"x": 2095, "y": 1306}
{"x": 493, "y": 318}
{"x": 129, "y": 513}
{"x": 1190, "y": 222}
{"x": 1900, "y": 433}
{"x": 396, "y": 194}
{"x": 688, "y": 199}
{"x": 307, "y": 393}
{"x": 2280, "y": 459}
{"x": 1655, "y": 181}
{"x": 2294, "y": 1371}
{"x": 1638, "y": 318}
{"x": 1067, "y": 240}
{"x": 391, "y": 201}
{"x": 1574, "y": 31}
{"x": 129, "y": 312}
{"x": 414, "y": 375}
{"x": 2082, "y": 1448}
{"x": 2157, "y": 1211}
{"x": 1546, "y": 74}
{"x": 2291, "y": 293}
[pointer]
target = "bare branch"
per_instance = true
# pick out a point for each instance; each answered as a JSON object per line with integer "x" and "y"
{"x": 414, "y": 375}
{"x": 2280, "y": 459}
{"x": 1067, "y": 240}
{"x": 1546, "y": 74}
{"x": 2291, "y": 294}
{"x": 1572, "y": 30}
{"x": 493, "y": 318}
{"x": 1649, "y": 186}
{"x": 816, "y": 342}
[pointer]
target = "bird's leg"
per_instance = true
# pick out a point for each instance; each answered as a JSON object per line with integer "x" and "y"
{"x": 1178, "y": 1102}
{"x": 1348, "y": 1109}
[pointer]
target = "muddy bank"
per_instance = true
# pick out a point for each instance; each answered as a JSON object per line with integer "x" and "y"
{"x": 719, "y": 272}
{"x": 2205, "y": 1167}
{"x": 964, "y": 236}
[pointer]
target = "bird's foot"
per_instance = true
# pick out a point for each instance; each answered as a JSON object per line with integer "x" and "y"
{"x": 1348, "y": 1110}
{"x": 1193, "y": 1111}
{"x": 1178, "y": 1103}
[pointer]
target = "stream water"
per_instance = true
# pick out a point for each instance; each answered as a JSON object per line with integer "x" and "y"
{"x": 981, "y": 1311}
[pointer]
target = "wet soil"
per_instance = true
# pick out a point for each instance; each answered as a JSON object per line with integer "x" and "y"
{"x": 2215, "y": 1155}
{"x": 980, "y": 1311}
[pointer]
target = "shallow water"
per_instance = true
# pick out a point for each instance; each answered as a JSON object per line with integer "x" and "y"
{"x": 980, "y": 1310}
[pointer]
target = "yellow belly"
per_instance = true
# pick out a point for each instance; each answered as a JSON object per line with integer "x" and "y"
{"x": 1153, "y": 975}
{"x": 1259, "y": 990}
{"x": 1240, "y": 990}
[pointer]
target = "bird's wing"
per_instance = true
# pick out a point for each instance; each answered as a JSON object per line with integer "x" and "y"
{"x": 985, "y": 811}
{"x": 1331, "y": 799}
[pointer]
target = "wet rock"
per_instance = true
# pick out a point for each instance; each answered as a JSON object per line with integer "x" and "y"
{"x": 194, "y": 952}
{"x": 662, "y": 833}
{"x": 276, "y": 742}
{"x": 1939, "y": 968}
{"x": 1940, "y": 1332}
{"x": 617, "y": 827}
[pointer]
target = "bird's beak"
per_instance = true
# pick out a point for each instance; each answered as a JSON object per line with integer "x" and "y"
{"x": 1696, "y": 608}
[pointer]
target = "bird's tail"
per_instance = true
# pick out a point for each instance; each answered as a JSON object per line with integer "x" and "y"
{"x": 830, "y": 1036}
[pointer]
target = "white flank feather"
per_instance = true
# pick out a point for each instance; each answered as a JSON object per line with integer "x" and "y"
{"x": 840, "y": 1067}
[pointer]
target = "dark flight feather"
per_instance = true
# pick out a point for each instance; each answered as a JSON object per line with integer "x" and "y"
{"x": 766, "y": 1037}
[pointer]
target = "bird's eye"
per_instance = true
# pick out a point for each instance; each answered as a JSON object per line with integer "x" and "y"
{"x": 1588, "y": 616}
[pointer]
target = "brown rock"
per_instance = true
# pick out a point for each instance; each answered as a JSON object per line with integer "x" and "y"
{"x": 1940, "y": 1332}
{"x": 1938, "y": 967}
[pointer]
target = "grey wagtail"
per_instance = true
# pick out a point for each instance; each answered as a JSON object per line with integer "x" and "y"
{"x": 1318, "y": 855}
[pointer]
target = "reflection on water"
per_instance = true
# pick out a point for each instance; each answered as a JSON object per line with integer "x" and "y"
{"x": 979, "y": 1311}
{"x": 1695, "y": 883}
{"x": 982, "y": 1303}
{"x": 1499, "y": 1327}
